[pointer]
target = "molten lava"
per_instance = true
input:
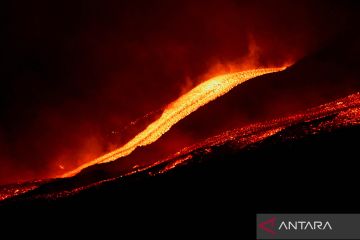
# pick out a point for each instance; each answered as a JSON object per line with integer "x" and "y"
{"x": 179, "y": 109}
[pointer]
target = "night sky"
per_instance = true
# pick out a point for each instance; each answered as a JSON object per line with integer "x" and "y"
{"x": 74, "y": 74}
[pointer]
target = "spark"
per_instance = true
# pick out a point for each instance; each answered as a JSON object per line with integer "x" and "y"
{"x": 179, "y": 109}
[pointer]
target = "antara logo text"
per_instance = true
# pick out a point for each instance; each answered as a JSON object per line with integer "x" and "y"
{"x": 269, "y": 226}
{"x": 305, "y": 225}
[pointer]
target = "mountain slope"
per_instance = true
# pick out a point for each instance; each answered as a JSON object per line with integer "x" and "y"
{"x": 307, "y": 151}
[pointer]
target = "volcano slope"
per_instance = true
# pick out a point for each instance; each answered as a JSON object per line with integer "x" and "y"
{"x": 305, "y": 162}
{"x": 317, "y": 79}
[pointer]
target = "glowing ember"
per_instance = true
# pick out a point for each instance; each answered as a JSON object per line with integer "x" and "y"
{"x": 9, "y": 191}
{"x": 179, "y": 109}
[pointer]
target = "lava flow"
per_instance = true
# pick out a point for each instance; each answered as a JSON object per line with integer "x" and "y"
{"x": 179, "y": 109}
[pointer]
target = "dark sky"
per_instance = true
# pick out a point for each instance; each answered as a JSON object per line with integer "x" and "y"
{"x": 72, "y": 72}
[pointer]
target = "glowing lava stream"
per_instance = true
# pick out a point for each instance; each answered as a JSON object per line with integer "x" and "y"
{"x": 179, "y": 109}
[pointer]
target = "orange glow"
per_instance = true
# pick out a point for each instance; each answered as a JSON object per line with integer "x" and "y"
{"x": 186, "y": 104}
{"x": 9, "y": 191}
